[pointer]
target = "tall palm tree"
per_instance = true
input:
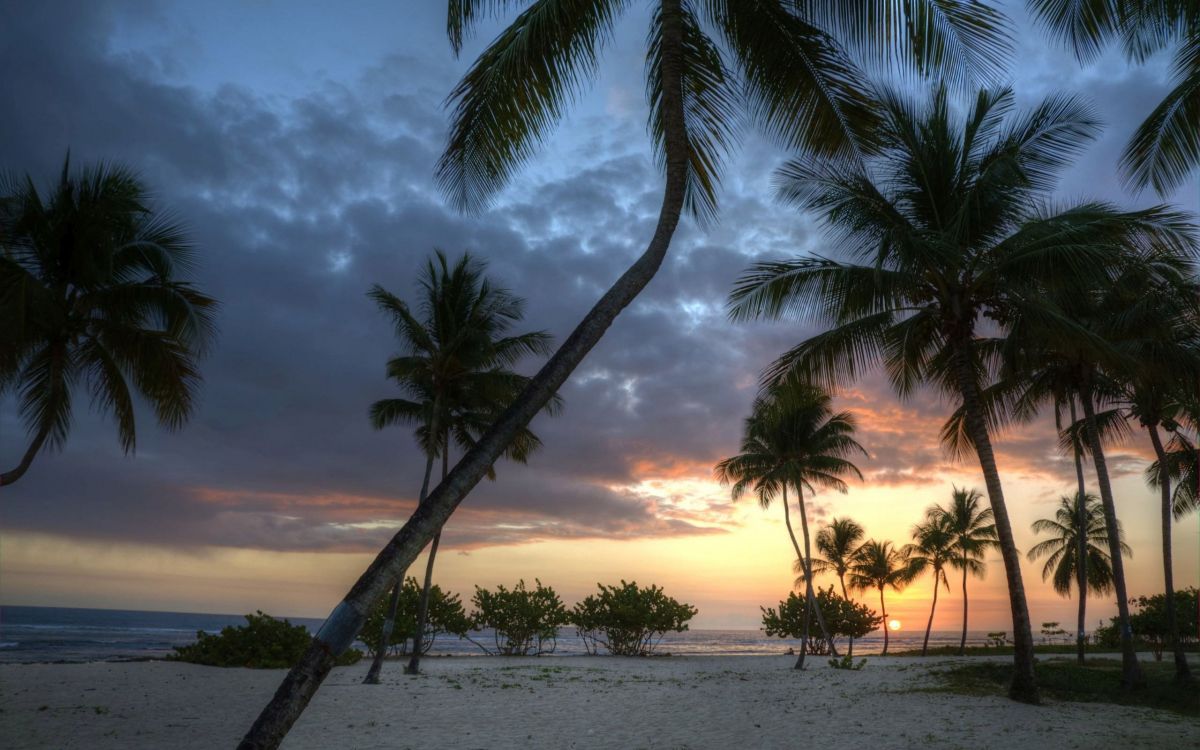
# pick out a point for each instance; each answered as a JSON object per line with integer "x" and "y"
{"x": 455, "y": 371}
{"x": 973, "y": 529}
{"x": 947, "y": 226}
{"x": 836, "y": 545}
{"x": 933, "y": 548}
{"x": 1061, "y": 550}
{"x": 1182, "y": 462}
{"x": 1166, "y": 146}
{"x": 93, "y": 288}
{"x": 878, "y": 565}
{"x": 784, "y": 64}
{"x": 793, "y": 438}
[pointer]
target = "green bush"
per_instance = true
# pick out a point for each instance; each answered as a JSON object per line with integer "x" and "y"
{"x": 1148, "y": 620}
{"x": 262, "y": 643}
{"x": 523, "y": 622}
{"x": 446, "y": 615}
{"x": 628, "y": 620}
{"x": 843, "y": 618}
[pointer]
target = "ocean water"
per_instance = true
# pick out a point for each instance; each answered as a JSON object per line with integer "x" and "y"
{"x": 57, "y": 634}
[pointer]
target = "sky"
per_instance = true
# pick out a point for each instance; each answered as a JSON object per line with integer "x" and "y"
{"x": 297, "y": 140}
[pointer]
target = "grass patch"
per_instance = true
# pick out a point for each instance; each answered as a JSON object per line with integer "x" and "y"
{"x": 1043, "y": 648}
{"x": 1098, "y": 681}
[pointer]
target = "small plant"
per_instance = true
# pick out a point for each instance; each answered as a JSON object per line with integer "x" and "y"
{"x": 445, "y": 616}
{"x": 262, "y": 643}
{"x": 847, "y": 662}
{"x": 1050, "y": 631}
{"x": 998, "y": 639}
{"x": 523, "y": 622}
{"x": 629, "y": 620}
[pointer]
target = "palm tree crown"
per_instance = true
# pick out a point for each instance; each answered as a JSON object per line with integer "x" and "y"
{"x": 1061, "y": 550}
{"x": 92, "y": 289}
{"x": 837, "y": 544}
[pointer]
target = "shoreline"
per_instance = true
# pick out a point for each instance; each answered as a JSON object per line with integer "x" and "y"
{"x": 569, "y": 701}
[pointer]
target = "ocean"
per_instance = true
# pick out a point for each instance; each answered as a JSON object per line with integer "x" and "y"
{"x": 59, "y": 634}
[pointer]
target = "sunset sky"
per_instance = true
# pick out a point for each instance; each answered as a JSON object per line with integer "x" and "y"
{"x": 297, "y": 141}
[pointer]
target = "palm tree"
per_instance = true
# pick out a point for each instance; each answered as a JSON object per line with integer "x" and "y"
{"x": 974, "y": 532}
{"x": 948, "y": 226}
{"x": 1166, "y": 146}
{"x": 92, "y": 288}
{"x": 878, "y": 565}
{"x": 455, "y": 368}
{"x": 1061, "y": 550}
{"x": 933, "y": 548}
{"x": 793, "y": 438}
{"x": 789, "y": 69}
{"x": 836, "y": 544}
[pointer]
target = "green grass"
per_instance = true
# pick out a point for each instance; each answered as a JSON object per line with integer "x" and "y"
{"x": 1044, "y": 648}
{"x": 1098, "y": 681}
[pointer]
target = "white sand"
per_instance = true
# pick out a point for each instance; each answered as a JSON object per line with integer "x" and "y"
{"x": 570, "y": 702}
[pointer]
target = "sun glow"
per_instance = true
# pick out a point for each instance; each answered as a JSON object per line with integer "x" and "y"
{"x": 893, "y": 624}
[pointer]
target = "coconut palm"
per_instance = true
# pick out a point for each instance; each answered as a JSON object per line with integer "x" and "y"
{"x": 974, "y": 532}
{"x": 784, "y": 64}
{"x": 933, "y": 548}
{"x": 879, "y": 565}
{"x": 455, "y": 375}
{"x": 93, "y": 288}
{"x": 946, "y": 227}
{"x": 793, "y": 438}
{"x": 836, "y": 544}
{"x": 1182, "y": 466}
{"x": 1166, "y": 146}
{"x": 1061, "y": 550}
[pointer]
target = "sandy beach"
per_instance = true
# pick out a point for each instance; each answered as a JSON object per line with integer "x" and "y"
{"x": 567, "y": 702}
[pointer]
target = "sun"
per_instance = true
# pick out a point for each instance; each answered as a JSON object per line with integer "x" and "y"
{"x": 893, "y": 624}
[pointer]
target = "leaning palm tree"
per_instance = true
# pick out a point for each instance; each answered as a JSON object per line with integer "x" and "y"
{"x": 974, "y": 532}
{"x": 786, "y": 65}
{"x": 946, "y": 227}
{"x": 1166, "y": 146}
{"x": 836, "y": 545}
{"x": 793, "y": 438}
{"x": 878, "y": 565}
{"x": 455, "y": 373}
{"x": 93, "y": 288}
{"x": 933, "y": 548}
{"x": 1061, "y": 550}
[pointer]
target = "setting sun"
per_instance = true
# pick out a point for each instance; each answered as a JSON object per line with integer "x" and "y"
{"x": 893, "y": 624}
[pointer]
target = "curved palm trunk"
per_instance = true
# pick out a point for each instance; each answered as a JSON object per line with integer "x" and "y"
{"x": 929, "y": 625}
{"x": 344, "y": 623}
{"x": 813, "y": 607}
{"x": 883, "y": 609}
{"x": 1131, "y": 671}
{"x": 808, "y": 585}
{"x": 389, "y": 622}
{"x": 1081, "y": 521}
{"x": 19, "y": 470}
{"x": 1182, "y": 673}
{"x": 1024, "y": 684}
{"x": 850, "y": 645}
{"x": 414, "y": 663}
{"x": 962, "y": 644}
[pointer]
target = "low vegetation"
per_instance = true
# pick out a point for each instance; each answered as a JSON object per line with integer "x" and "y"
{"x": 843, "y": 618}
{"x": 524, "y": 621}
{"x": 262, "y": 643}
{"x": 628, "y": 620}
{"x": 1150, "y": 625}
{"x": 446, "y": 616}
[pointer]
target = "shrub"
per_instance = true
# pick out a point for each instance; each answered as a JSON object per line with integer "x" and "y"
{"x": 446, "y": 615}
{"x": 1148, "y": 620}
{"x": 998, "y": 639}
{"x": 843, "y": 618}
{"x": 524, "y": 622}
{"x": 629, "y": 620}
{"x": 262, "y": 643}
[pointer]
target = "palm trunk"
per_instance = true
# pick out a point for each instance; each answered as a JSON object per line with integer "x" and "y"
{"x": 414, "y": 663}
{"x": 1131, "y": 671}
{"x": 929, "y": 625}
{"x": 886, "y": 629}
{"x": 808, "y": 584}
{"x": 850, "y": 645}
{"x": 1024, "y": 684}
{"x": 389, "y": 622}
{"x": 811, "y": 600}
{"x": 1081, "y": 551}
{"x": 35, "y": 445}
{"x": 344, "y": 623}
{"x": 1182, "y": 673}
{"x": 962, "y": 644}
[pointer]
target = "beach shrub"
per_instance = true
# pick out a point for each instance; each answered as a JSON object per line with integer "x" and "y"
{"x": 843, "y": 618}
{"x": 1148, "y": 620}
{"x": 629, "y": 620}
{"x": 446, "y": 616}
{"x": 524, "y": 622}
{"x": 847, "y": 662}
{"x": 262, "y": 643}
{"x": 998, "y": 639}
